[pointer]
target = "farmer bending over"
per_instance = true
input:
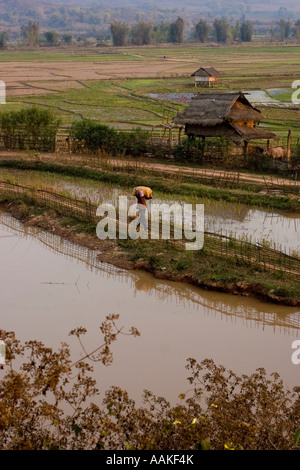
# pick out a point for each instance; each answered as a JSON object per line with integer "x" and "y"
{"x": 142, "y": 193}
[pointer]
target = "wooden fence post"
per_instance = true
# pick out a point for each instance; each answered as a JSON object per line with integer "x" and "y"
{"x": 289, "y": 146}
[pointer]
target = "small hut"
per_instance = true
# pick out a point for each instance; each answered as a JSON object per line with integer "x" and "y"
{"x": 206, "y": 77}
{"x": 217, "y": 114}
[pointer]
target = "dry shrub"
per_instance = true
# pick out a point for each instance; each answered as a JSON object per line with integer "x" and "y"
{"x": 48, "y": 402}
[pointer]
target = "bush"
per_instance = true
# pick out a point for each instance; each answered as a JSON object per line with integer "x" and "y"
{"x": 224, "y": 410}
{"x": 95, "y": 136}
{"x": 296, "y": 155}
{"x": 135, "y": 143}
{"x": 32, "y": 128}
{"x": 189, "y": 150}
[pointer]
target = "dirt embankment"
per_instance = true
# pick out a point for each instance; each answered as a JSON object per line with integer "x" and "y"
{"x": 227, "y": 175}
{"x": 110, "y": 252}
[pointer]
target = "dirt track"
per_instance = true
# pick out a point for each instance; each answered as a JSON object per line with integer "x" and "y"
{"x": 160, "y": 167}
{"x": 222, "y": 174}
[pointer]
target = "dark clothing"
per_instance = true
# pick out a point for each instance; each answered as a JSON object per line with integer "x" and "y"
{"x": 141, "y": 198}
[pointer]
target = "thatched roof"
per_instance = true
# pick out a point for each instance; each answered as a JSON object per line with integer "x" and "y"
{"x": 253, "y": 133}
{"x": 206, "y": 71}
{"x": 214, "y": 108}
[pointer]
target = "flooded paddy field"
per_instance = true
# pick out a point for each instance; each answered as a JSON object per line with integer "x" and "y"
{"x": 255, "y": 97}
{"x": 49, "y": 286}
{"x": 276, "y": 229}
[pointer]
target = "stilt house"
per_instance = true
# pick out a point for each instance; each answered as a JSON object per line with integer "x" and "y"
{"x": 206, "y": 77}
{"x": 222, "y": 114}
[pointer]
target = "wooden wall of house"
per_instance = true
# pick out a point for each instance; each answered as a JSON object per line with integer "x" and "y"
{"x": 206, "y": 81}
{"x": 221, "y": 130}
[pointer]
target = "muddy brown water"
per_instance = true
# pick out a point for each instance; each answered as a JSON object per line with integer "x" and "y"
{"x": 49, "y": 286}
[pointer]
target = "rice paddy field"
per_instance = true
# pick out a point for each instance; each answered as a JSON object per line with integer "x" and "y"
{"x": 228, "y": 302}
{"x": 116, "y": 86}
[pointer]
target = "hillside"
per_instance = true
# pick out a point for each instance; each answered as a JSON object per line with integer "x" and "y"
{"x": 94, "y": 16}
{"x": 257, "y": 8}
{"x": 73, "y": 17}
{"x": 264, "y": 5}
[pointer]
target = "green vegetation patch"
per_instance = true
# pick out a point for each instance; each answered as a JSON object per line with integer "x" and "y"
{"x": 161, "y": 185}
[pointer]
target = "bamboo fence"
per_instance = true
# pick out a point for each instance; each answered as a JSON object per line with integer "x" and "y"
{"x": 263, "y": 257}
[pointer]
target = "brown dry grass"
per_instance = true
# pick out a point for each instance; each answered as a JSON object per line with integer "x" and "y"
{"x": 47, "y": 77}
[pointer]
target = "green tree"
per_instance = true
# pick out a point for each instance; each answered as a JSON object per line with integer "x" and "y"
{"x": 285, "y": 28}
{"x": 51, "y": 38}
{"x": 120, "y": 33}
{"x": 67, "y": 39}
{"x": 141, "y": 33}
{"x": 236, "y": 31}
{"x": 222, "y": 30}
{"x": 176, "y": 31}
{"x": 160, "y": 32}
{"x": 297, "y": 30}
{"x": 201, "y": 30}
{"x": 31, "y": 32}
{"x": 3, "y": 39}
{"x": 246, "y": 31}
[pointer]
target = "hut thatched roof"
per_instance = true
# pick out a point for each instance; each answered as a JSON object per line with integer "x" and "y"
{"x": 253, "y": 133}
{"x": 214, "y": 108}
{"x": 206, "y": 71}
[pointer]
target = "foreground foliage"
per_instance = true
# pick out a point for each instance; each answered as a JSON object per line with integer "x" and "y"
{"x": 48, "y": 402}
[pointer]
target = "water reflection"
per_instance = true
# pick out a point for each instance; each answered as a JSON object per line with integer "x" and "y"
{"x": 280, "y": 230}
{"x": 254, "y": 313}
{"x": 50, "y": 286}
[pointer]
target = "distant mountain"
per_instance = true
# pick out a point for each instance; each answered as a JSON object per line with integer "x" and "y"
{"x": 199, "y": 5}
{"x": 169, "y": 4}
{"x": 93, "y": 17}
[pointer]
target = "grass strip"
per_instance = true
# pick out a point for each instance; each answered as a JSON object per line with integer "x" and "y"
{"x": 161, "y": 185}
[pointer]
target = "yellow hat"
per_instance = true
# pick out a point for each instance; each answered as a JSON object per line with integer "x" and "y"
{"x": 147, "y": 191}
